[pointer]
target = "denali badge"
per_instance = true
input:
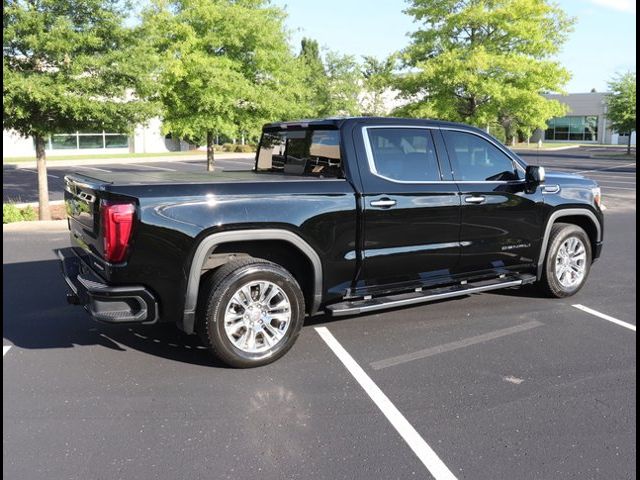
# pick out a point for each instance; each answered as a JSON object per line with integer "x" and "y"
{"x": 513, "y": 247}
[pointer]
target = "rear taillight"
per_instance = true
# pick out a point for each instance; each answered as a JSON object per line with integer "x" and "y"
{"x": 117, "y": 221}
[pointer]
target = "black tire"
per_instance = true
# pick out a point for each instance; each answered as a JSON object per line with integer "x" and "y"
{"x": 549, "y": 283}
{"x": 216, "y": 291}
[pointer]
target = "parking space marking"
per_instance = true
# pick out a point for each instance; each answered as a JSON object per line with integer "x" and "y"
{"x": 5, "y": 349}
{"x": 605, "y": 317}
{"x": 616, "y": 181}
{"x": 36, "y": 172}
{"x": 423, "y": 451}
{"x": 152, "y": 167}
{"x": 95, "y": 168}
{"x": 611, "y": 187}
{"x": 608, "y": 168}
{"x": 447, "y": 347}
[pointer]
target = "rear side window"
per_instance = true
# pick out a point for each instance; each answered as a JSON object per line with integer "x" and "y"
{"x": 404, "y": 154}
{"x": 475, "y": 159}
{"x": 307, "y": 152}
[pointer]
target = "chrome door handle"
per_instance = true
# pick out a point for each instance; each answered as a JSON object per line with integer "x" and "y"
{"x": 384, "y": 203}
{"x": 479, "y": 199}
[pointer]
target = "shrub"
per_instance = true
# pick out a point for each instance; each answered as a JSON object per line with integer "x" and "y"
{"x": 244, "y": 148}
{"x": 11, "y": 213}
{"x": 227, "y": 147}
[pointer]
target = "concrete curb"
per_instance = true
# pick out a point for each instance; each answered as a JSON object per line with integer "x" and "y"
{"x": 52, "y": 203}
{"x": 534, "y": 149}
{"x": 35, "y": 226}
{"x": 200, "y": 156}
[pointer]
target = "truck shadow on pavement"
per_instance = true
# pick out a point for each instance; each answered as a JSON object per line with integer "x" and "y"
{"x": 37, "y": 316}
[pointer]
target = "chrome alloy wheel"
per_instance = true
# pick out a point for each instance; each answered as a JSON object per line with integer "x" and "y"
{"x": 257, "y": 316}
{"x": 570, "y": 263}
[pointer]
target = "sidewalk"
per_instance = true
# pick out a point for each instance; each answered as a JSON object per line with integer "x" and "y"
{"x": 199, "y": 157}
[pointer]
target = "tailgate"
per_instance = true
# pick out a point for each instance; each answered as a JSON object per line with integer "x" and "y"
{"x": 82, "y": 202}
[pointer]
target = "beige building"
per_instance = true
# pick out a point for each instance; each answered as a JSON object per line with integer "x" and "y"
{"x": 585, "y": 121}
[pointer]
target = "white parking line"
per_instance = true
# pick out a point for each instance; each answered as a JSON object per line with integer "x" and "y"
{"x": 5, "y": 349}
{"x": 608, "y": 168}
{"x": 605, "y": 317}
{"x": 36, "y": 172}
{"x": 95, "y": 168}
{"x": 612, "y": 187}
{"x": 615, "y": 181}
{"x": 152, "y": 167}
{"x": 447, "y": 347}
{"x": 427, "y": 456}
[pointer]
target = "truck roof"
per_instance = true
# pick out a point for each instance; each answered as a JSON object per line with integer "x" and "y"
{"x": 337, "y": 122}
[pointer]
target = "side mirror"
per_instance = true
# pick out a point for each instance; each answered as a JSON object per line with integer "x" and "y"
{"x": 534, "y": 175}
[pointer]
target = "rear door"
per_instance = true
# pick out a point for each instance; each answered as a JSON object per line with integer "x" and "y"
{"x": 501, "y": 222}
{"x": 411, "y": 209}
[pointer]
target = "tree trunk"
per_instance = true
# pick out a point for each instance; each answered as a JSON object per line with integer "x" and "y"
{"x": 629, "y": 144}
{"x": 43, "y": 187}
{"x": 210, "y": 144}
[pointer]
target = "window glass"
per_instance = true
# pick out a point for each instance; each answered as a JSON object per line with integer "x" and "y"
{"x": 573, "y": 127}
{"x": 116, "y": 141}
{"x": 64, "y": 142}
{"x": 475, "y": 159}
{"x": 405, "y": 154}
{"x": 301, "y": 152}
{"x": 91, "y": 141}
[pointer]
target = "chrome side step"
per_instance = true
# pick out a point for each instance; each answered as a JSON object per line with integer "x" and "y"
{"x": 355, "y": 307}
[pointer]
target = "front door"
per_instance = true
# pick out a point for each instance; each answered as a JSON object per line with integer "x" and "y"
{"x": 501, "y": 221}
{"x": 411, "y": 216}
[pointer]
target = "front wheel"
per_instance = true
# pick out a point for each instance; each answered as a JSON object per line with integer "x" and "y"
{"x": 568, "y": 261}
{"x": 251, "y": 312}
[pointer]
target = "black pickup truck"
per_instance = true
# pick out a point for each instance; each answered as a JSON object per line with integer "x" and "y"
{"x": 341, "y": 216}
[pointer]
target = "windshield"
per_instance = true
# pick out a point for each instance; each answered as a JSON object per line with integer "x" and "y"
{"x": 308, "y": 152}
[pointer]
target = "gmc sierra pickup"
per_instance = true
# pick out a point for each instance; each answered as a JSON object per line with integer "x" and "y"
{"x": 341, "y": 216}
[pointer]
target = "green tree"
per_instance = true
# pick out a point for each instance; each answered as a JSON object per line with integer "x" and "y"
{"x": 226, "y": 67}
{"x": 315, "y": 77}
{"x": 621, "y": 103}
{"x": 345, "y": 83}
{"x": 333, "y": 84}
{"x": 481, "y": 61}
{"x": 378, "y": 78}
{"x": 71, "y": 65}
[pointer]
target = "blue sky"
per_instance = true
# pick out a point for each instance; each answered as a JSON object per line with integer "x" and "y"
{"x": 602, "y": 43}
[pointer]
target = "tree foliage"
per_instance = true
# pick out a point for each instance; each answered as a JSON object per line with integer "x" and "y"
{"x": 621, "y": 104}
{"x": 478, "y": 61}
{"x": 333, "y": 84}
{"x": 378, "y": 79}
{"x": 71, "y": 65}
{"x": 226, "y": 66}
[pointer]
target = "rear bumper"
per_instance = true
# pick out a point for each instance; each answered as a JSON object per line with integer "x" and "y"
{"x": 105, "y": 303}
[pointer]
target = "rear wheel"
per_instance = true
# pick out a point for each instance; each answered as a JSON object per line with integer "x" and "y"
{"x": 250, "y": 313}
{"x": 567, "y": 262}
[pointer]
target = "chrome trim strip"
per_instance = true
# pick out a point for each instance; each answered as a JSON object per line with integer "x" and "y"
{"x": 566, "y": 212}
{"x": 423, "y": 299}
{"x": 208, "y": 244}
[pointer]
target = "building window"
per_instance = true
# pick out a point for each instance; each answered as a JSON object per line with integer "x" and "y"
{"x": 87, "y": 140}
{"x": 573, "y": 128}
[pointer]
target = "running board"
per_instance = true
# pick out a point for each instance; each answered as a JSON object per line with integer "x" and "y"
{"x": 355, "y": 307}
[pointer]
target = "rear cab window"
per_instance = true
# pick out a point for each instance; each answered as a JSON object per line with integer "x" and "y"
{"x": 306, "y": 152}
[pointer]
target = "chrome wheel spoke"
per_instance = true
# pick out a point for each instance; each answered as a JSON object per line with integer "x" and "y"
{"x": 570, "y": 262}
{"x": 251, "y": 323}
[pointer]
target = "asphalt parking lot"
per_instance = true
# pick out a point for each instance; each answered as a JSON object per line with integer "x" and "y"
{"x": 500, "y": 385}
